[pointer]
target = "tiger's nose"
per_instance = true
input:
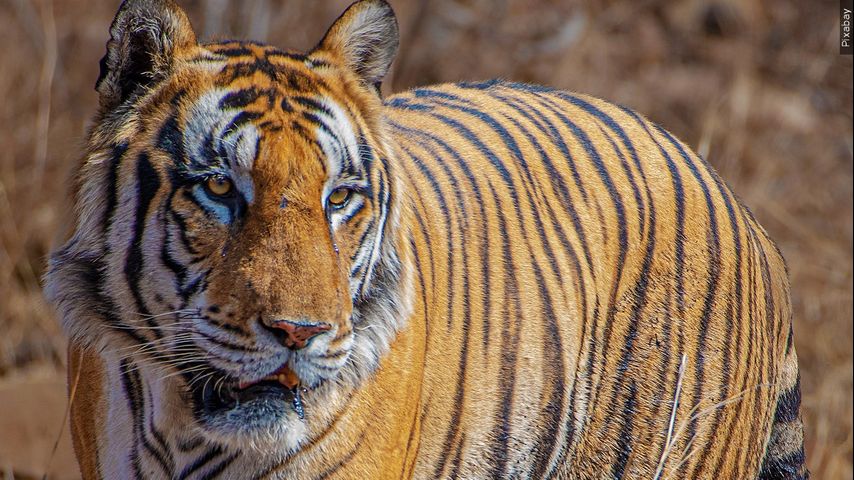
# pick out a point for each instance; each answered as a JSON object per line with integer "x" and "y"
{"x": 296, "y": 334}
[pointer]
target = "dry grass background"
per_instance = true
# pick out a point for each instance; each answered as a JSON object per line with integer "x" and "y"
{"x": 757, "y": 86}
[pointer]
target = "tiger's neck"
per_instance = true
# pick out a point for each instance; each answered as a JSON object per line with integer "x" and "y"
{"x": 147, "y": 429}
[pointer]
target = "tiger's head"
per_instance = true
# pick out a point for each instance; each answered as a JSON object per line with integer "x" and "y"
{"x": 237, "y": 219}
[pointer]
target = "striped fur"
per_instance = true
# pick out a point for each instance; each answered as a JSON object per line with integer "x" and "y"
{"x": 525, "y": 283}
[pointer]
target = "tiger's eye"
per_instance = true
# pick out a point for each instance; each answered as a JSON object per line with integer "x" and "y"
{"x": 219, "y": 185}
{"x": 339, "y": 197}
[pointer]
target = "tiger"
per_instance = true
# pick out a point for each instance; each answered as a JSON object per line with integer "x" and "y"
{"x": 274, "y": 271}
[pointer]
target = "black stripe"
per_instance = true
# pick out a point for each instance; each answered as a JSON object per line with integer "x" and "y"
{"x": 458, "y": 455}
{"x": 365, "y": 152}
{"x": 134, "y": 402}
{"x": 182, "y": 228}
{"x": 343, "y": 461}
{"x": 160, "y": 441}
{"x": 313, "y": 105}
{"x": 240, "y": 50}
{"x": 425, "y": 234}
{"x": 93, "y": 274}
{"x": 509, "y": 350}
{"x": 235, "y": 70}
{"x": 552, "y": 345}
{"x": 291, "y": 56}
{"x": 238, "y": 121}
{"x": 190, "y": 444}
{"x": 679, "y": 242}
{"x": 446, "y": 215}
{"x": 726, "y": 368}
{"x": 369, "y": 229}
{"x": 750, "y": 368}
{"x": 148, "y": 183}
{"x": 624, "y": 441}
{"x": 166, "y": 256}
{"x": 113, "y": 183}
{"x": 226, "y": 345}
{"x": 789, "y": 467}
{"x": 556, "y": 137}
{"x": 235, "y": 329}
{"x": 789, "y": 404}
{"x": 346, "y": 163}
{"x": 408, "y": 104}
{"x": 196, "y": 285}
{"x": 625, "y": 140}
{"x": 630, "y": 336}
{"x": 713, "y": 246}
{"x": 170, "y": 139}
{"x": 297, "y": 81}
{"x": 244, "y": 97}
{"x": 132, "y": 385}
{"x": 380, "y": 185}
{"x": 554, "y": 408}
{"x": 220, "y": 467}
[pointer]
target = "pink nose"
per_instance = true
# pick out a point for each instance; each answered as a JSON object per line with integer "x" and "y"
{"x": 296, "y": 335}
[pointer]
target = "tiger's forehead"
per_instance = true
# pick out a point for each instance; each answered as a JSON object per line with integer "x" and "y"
{"x": 265, "y": 109}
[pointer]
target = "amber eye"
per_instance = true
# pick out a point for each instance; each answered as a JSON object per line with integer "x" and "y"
{"x": 219, "y": 185}
{"x": 339, "y": 197}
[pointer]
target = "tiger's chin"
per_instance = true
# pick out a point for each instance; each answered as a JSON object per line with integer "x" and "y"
{"x": 267, "y": 416}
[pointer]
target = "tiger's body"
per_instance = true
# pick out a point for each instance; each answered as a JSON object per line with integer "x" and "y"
{"x": 518, "y": 283}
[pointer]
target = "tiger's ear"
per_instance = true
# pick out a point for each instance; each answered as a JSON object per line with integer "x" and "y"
{"x": 365, "y": 37}
{"x": 143, "y": 39}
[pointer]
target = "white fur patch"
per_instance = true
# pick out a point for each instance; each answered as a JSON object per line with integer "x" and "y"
{"x": 207, "y": 130}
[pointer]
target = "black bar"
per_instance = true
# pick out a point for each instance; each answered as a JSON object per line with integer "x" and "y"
{"x": 845, "y": 20}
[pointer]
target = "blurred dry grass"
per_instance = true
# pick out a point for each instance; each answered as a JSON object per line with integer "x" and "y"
{"x": 757, "y": 87}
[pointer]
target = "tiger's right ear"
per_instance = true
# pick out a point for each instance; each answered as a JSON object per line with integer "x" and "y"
{"x": 366, "y": 38}
{"x": 144, "y": 37}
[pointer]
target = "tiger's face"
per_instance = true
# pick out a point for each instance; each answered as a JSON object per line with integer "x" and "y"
{"x": 248, "y": 242}
{"x": 272, "y": 209}
{"x": 275, "y": 203}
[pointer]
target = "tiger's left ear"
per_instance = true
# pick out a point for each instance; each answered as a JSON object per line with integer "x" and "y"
{"x": 365, "y": 37}
{"x": 144, "y": 37}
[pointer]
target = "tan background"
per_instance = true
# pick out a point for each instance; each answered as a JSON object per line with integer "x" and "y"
{"x": 756, "y": 86}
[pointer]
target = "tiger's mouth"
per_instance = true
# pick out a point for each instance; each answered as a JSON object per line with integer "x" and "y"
{"x": 283, "y": 378}
{"x": 284, "y": 375}
{"x": 251, "y": 402}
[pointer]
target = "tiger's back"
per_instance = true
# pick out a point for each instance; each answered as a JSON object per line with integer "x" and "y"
{"x": 570, "y": 253}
